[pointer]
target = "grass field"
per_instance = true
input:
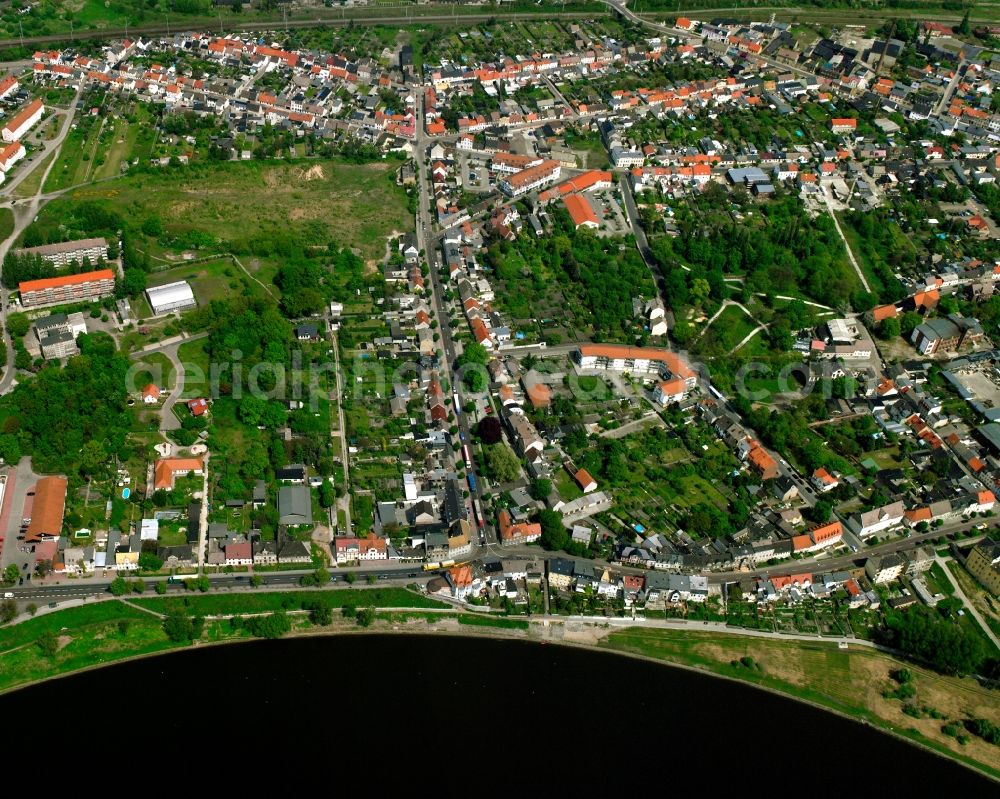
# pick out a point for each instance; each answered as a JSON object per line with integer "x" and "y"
{"x": 89, "y": 635}
{"x": 209, "y": 280}
{"x": 728, "y": 330}
{"x": 475, "y": 620}
{"x": 196, "y": 368}
{"x": 155, "y": 367}
{"x": 30, "y": 185}
{"x": 225, "y": 604}
{"x": 241, "y": 203}
{"x": 848, "y": 681}
{"x": 6, "y": 223}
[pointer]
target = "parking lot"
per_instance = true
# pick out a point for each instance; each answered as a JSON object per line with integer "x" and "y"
{"x": 17, "y": 505}
{"x": 474, "y": 175}
{"x": 983, "y": 384}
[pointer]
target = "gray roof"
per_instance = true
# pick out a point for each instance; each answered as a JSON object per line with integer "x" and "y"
{"x": 294, "y": 505}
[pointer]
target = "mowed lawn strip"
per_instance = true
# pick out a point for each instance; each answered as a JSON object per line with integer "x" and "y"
{"x": 234, "y": 604}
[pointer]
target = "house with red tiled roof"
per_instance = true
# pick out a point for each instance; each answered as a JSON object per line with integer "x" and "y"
{"x": 758, "y": 458}
{"x": 166, "y": 470}
{"x": 581, "y": 211}
{"x": 517, "y": 533}
{"x": 197, "y": 407}
{"x": 884, "y": 312}
{"x": 823, "y": 480}
{"x": 669, "y": 391}
{"x": 539, "y": 395}
{"x": 151, "y": 394}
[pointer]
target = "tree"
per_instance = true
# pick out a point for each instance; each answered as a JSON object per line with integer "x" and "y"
{"x": 490, "y": 430}
{"x": 148, "y": 561}
{"x": 181, "y": 628}
{"x": 18, "y": 325}
{"x": 700, "y": 290}
{"x": 10, "y": 574}
{"x": 274, "y": 625}
{"x": 541, "y": 488}
{"x": 908, "y": 323}
{"x": 133, "y": 283}
{"x": 327, "y": 494}
{"x": 8, "y": 610}
{"x": 889, "y": 328}
{"x": 349, "y": 578}
{"x": 366, "y": 616}
{"x": 321, "y": 613}
{"x": 502, "y": 463}
{"x": 93, "y": 456}
{"x": 922, "y": 633}
{"x": 160, "y": 587}
{"x": 119, "y": 586}
{"x": 152, "y": 226}
{"x": 963, "y": 27}
{"x": 48, "y": 643}
{"x": 256, "y": 580}
{"x": 554, "y": 533}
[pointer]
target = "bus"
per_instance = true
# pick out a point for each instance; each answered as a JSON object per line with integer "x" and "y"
{"x": 454, "y": 399}
{"x": 476, "y": 515}
{"x": 467, "y": 455}
{"x": 472, "y": 482}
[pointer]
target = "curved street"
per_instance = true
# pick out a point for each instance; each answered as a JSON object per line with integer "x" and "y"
{"x": 25, "y": 212}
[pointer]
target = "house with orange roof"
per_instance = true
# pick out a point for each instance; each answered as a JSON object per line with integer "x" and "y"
{"x": 668, "y": 391}
{"x": 827, "y": 535}
{"x": 539, "y": 394}
{"x": 67, "y": 288}
{"x": 151, "y": 394}
{"x": 635, "y": 360}
{"x": 581, "y": 212}
{"x": 925, "y": 300}
{"x": 512, "y": 534}
{"x": 166, "y": 471}
{"x": 461, "y": 582}
{"x": 47, "y": 510}
{"x": 984, "y": 501}
{"x": 23, "y": 121}
{"x": 881, "y": 312}
{"x": 758, "y": 458}
{"x": 823, "y": 480}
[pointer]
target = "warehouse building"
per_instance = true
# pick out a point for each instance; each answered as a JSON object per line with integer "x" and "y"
{"x": 170, "y": 297}
{"x": 47, "y": 510}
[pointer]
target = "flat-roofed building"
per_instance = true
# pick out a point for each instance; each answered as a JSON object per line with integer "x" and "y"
{"x": 65, "y": 252}
{"x": 57, "y": 334}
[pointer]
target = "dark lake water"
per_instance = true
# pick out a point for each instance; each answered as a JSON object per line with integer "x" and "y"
{"x": 542, "y": 715}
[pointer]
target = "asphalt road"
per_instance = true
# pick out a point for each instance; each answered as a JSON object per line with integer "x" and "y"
{"x": 24, "y": 213}
{"x": 427, "y": 241}
{"x": 65, "y": 589}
